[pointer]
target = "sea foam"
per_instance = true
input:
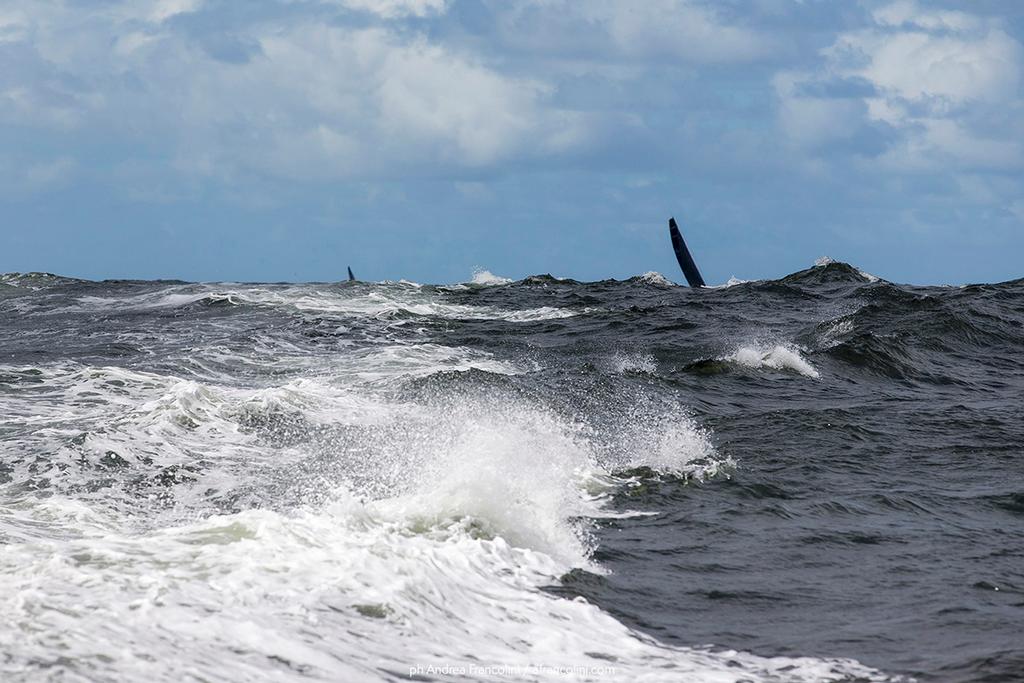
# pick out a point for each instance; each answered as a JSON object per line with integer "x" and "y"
{"x": 777, "y": 357}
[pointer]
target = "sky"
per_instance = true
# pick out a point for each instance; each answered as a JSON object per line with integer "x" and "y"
{"x": 282, "y": 140}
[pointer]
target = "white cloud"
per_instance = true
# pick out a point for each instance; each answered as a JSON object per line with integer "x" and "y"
{"x": 366, "y": 100}
{"x": 943, "y": 81}
{"x": 158, "y": 11}
{"x": 676, "y": 30}
{"x": 916, "y": 65}
{"x": 393, "y": 9}
{"x": 315, "y": 101}
{"x": 13, "y": 24}
{"x": 910, "y": 13}
{"x": 949, "y": 142}
{"x": 810, "y": 122}
{"x": 385, "y": 9}
{"x": 316, "y": 92}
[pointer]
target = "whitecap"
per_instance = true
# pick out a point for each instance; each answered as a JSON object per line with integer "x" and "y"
{"x": 340, "y": 591}
{"x": 623, "y": 362}
{"x": 652, "y": 277}
{"x": 477, "y": 504}
{"x": 487, "y": 278}
{"x": 777, "y": 357}
{"x": 823, "y": 261}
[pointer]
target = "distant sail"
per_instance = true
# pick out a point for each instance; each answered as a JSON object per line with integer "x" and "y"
{"x": 683, "y": 255}
{"x": 351, "y": 277}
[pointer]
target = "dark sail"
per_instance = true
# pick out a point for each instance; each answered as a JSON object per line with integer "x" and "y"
{"x": 683, "y": 255}
{"x": 351, "y": 277}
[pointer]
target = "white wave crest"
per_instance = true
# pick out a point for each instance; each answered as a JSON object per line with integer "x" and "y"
{"x": 828, "y": 260}
{"x": 777, "y": 357}
{"x": 623, "y": 362}
{"x": 832, "y": 331}
{"x": 731, "y": 282}
{"x": 385, "y": 301}
{"x": 446, "y": 568}
{"x": 334, "y": 592}
{"x": 671, "y": 442}
{"x": 652, "y": 277}
{"x": 486, "y": 277}
{"x": 437, "y": 525}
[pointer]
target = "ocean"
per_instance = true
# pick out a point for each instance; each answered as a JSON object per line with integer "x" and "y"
{"x": 816, "y": 478}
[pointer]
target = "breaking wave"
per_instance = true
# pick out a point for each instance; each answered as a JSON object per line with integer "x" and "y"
{"x": 349, "y": 481}
{"x": 487, "y": 278}
{"x": 777, "y": 357}
{"x": 655, "y": 278}
{"x": 251, "y": 526}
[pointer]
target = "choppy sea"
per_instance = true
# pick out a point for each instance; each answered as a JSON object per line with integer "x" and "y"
{"x": 816, "y": 478}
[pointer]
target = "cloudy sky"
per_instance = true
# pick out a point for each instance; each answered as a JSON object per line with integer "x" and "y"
{"x": 418, "y": 139}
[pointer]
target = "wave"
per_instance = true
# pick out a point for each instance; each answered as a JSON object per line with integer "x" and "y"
{"x": 654, "y": 278}
{"x": 383, "y": 302}
{"x": 484, "y": 277}
{"x": 623, "y": 362}
{"x": 826, "y": 261}
{"x": 262, "y": 595}
{"x": 119, "y": 431}
{"x": 824, "y": 269}
{"x": 548, "y": 279}
{"x": 423, "y": 528}
{"x": 829, "y": 271}
{"x": 777, "y": 357}
{"x": 444, "y": 516}
{"x": 340, "y": 481}
{"x": 298, "y": 500}
{"x": 37, "y": 280}
{"x": 158, "y": 300}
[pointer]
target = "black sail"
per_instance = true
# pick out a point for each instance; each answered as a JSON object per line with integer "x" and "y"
{"x": 683, "y": 255}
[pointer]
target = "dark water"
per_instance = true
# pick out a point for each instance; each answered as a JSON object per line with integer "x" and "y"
{"x": 832, "y": 465}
